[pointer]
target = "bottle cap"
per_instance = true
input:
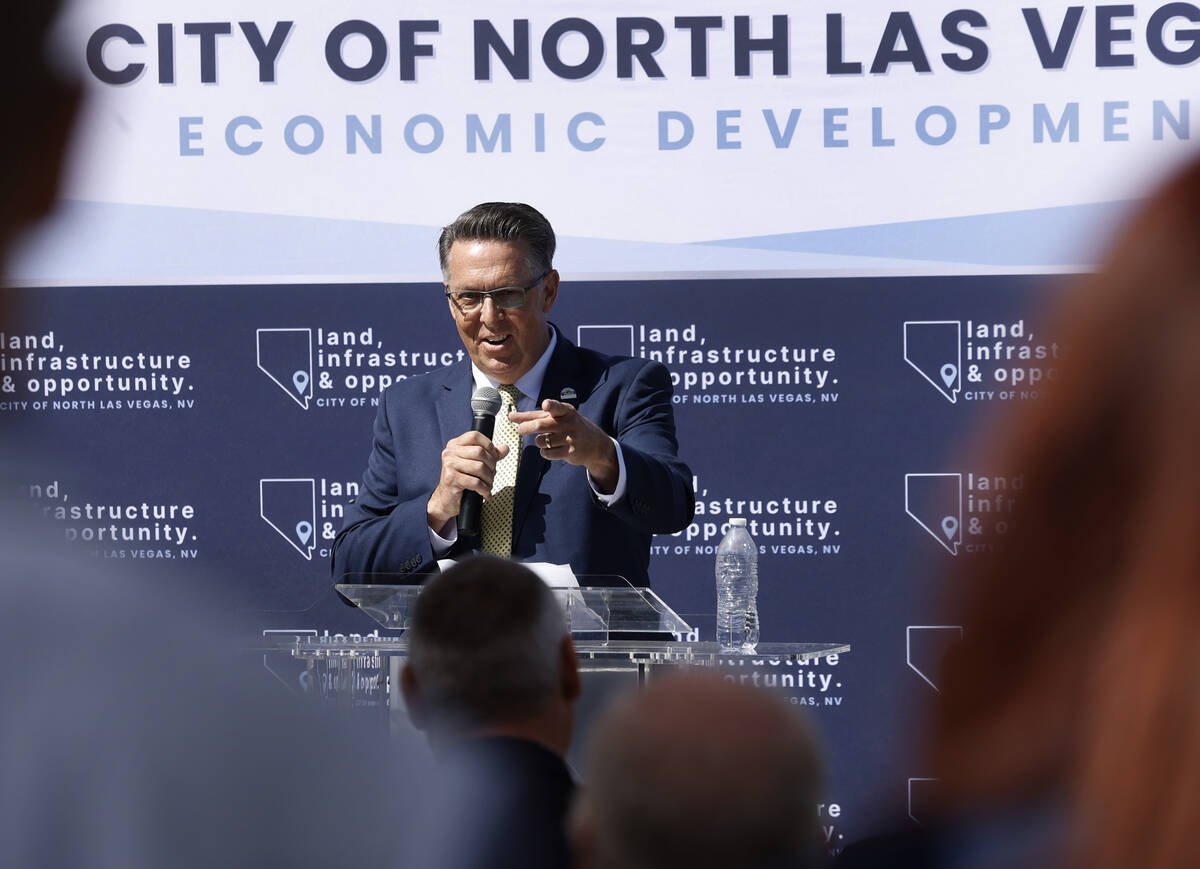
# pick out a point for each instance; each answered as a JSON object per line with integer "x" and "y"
{"x": 739, "y": 521}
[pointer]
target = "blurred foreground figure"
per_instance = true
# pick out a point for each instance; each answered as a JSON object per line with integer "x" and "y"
{"x": 1069, "y": 727}
{"x": 31, "y": 154}
{"x": 1078, "y": 679}
{"x": 696, "y": 771}
{"x": 492, "y": 679}
{"x": 132, "y": 734}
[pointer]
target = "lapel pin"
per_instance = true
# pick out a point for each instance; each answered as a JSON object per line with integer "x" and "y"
{"x": 568, "y": 394}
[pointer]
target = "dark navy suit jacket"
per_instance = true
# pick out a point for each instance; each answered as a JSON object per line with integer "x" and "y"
{"x": 557, "y": 518}
{"x": 496, "y": 803}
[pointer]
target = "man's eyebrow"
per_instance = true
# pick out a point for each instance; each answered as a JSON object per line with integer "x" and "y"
{"x": 471, "y": 289}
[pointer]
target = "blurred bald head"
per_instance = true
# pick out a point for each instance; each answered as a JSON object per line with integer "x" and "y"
{"x": 698, "y": 771}
{"x": 489, "y": 653}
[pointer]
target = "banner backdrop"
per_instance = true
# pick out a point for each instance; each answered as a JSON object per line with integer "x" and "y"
{"x": 835, "y": 225}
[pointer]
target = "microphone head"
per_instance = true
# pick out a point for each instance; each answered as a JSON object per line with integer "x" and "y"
{"x": 485, "y": 401}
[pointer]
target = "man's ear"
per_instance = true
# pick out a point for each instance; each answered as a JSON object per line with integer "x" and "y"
{"x": 569, "y": 668}
{"x": 549, "y": 291}
{"x": 412, "y": 697}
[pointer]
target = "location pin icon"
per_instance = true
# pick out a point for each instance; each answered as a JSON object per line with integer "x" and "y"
{"x": 304, "y": 531}
{"x": 949, "y": 527}
{"x": 300, "y": 381}
{"x": 949, "y": 374}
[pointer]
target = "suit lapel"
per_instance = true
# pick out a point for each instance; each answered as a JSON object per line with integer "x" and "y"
{"x": 560, "y": 373}
{"x": 453, "y": 401}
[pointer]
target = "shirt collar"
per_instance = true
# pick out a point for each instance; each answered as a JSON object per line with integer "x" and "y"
{"x": 530, "y": 384}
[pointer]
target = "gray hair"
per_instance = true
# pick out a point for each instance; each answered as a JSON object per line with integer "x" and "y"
{"x": 513, "y": 222}
{"x": 484, "y": 644}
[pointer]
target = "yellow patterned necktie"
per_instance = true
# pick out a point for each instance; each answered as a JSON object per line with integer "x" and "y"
{"x": 498, "y": 509}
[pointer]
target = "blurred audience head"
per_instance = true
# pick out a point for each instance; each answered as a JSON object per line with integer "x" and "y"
{"x": 41, "y": 101}
{"x": 137, "y": 733}
{"x": 698, "y": 771}
{"x": 133, "y": 733}
{"x": 489, "y": 653}
{"x": 1076, "y": 682}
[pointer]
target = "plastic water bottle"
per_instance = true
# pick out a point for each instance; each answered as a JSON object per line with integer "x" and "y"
{"x": 737, "y": 590}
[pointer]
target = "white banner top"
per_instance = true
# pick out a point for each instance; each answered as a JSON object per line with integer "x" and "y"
{"x": 756, "y": 138}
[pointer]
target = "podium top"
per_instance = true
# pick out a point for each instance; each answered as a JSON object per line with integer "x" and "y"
{"x": 603, "y": 609}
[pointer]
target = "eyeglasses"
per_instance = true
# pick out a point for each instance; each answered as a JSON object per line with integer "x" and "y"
{"x": 506, "y": 298}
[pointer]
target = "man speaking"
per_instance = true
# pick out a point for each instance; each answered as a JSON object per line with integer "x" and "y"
{"x": 581, "y": 467}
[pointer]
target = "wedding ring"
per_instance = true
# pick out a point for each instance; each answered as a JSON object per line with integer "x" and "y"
{"x": 548, "y": 444}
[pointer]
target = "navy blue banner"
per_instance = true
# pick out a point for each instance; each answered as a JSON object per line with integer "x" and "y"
{"x": 223, "y": 429}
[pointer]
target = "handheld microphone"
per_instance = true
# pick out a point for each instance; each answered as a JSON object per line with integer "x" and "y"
{"x": 485, "y": 404}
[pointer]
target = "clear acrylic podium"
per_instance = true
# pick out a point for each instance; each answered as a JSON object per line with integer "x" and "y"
{"x": 620, "y": 632}
{"x": 595, "y": 613}
{"x": 623, "y": 637}
{"x": 614, "y": 626}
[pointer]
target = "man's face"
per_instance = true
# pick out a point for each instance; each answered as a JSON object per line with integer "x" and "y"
{"x": 504, "y": 344}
